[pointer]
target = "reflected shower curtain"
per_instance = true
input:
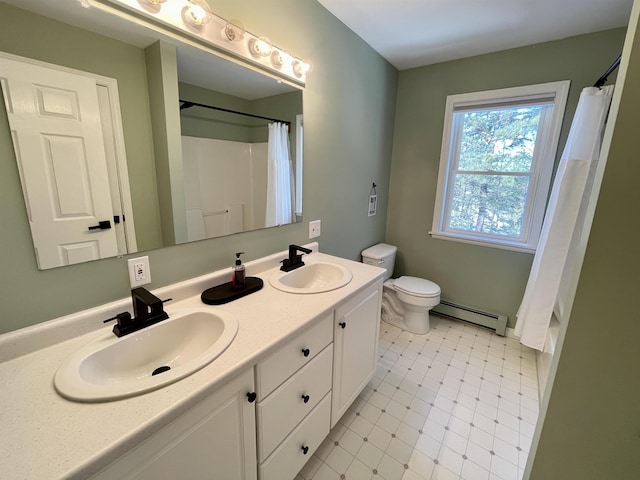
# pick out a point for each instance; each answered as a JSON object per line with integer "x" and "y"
{"x": 557, "y": 256}
{"x": 279, "y": 209}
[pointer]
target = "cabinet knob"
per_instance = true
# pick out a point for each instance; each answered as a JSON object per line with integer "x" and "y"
{"x": 342, "y": 324}
{"x": 304, "y": 449}
{"x": 305, "y": 398}
{"x": 306, "y": 352}
{"x": 251, "y": 396}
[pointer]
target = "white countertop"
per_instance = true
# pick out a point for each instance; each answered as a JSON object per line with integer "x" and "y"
{"x": 44, "y": 436}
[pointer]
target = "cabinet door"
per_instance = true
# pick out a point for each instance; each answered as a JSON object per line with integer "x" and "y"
{"x": 357, "y": 324}
{"x": 213, "y": 440}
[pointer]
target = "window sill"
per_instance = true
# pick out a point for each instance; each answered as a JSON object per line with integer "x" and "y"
{"x": 514, "y": 247}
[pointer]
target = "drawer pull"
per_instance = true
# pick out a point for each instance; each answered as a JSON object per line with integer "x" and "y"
{"x": 342, "y": 324}
{"x": 305, "y": 398}
{"x": 304, "y": 449}
{"x": 251, "y": 396}
{"x": 306, "y": 352}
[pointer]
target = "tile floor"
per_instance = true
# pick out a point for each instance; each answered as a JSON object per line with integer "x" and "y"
{"x": 457, "y": 403}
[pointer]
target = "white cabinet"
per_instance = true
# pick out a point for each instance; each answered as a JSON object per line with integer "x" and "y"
{"x": 302, "y": 389}
{"x": 294, "y": 401}
{"x": 356, "y": 329}
{"x": 215, "y": 439}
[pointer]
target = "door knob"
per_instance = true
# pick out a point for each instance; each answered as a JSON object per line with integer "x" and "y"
{"x": 102, "y": 225}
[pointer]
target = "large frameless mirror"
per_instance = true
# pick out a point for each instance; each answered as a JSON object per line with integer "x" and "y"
{"x": 129, "y": 140}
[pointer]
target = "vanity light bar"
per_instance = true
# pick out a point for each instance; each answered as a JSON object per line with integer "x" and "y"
{"x": 194, "y": 19}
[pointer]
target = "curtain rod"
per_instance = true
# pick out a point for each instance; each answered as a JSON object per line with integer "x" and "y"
{"x": 188, "y": 104}
{"x": 602, "y": 80}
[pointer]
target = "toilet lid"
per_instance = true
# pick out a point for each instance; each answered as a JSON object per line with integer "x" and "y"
{"x": 417, "y": 286}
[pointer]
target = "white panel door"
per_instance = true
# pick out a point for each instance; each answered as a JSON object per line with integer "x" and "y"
{"x": 55, "y": 124}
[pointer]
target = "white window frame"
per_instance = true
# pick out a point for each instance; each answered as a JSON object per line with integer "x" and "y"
{"x": 541, "y": 168}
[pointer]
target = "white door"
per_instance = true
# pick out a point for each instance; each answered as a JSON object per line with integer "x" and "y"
{"x": 55, "y": 126}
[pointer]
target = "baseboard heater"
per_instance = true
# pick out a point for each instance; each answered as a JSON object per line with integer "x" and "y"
{"x": 494, "y": 321}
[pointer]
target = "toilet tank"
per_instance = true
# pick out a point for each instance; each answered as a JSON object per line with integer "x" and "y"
{"x": 381, "y": 255}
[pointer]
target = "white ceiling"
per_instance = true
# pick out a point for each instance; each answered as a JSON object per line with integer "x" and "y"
{"x": 414, "y": 33}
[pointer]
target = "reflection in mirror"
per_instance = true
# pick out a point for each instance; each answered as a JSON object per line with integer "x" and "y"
{"x": 170, "y": 181}
{"x": 218, "y": 144}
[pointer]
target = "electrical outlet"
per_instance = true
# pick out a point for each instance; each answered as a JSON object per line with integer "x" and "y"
{"x": 139, "y": 272}
{"x": 314, "y": 229}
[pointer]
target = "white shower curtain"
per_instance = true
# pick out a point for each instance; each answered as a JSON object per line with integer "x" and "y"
{"x": 556, "y": 255}
{"x": 279, "y": 209}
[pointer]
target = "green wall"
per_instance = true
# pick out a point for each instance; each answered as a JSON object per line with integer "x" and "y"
{"x": 207, "y": 123}
{"x": 350, "y": 96}
{"x": 589, "y": 427}
{"x": 482, "y": 277}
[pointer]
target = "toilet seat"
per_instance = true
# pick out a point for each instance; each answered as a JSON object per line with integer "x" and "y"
{"x": 417, "y": 287}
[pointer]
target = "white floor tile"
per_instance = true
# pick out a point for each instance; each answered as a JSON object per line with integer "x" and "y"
{"x": 428, "y": 446}
{"x": 339, "y": 459}
{"x": 326, "y": 473}
{"x": 451, "y": 459}
{"x": 370, "y": 455}
{"x": 351, "y": 442}
{"x": 472, "y": 471}
{"x": 359, "y": 471}
{"x": 390, "y": 468}
{"x": 443, "y": 473}
{"x": 379, "y": 437}
{"x": 458, "y": 403}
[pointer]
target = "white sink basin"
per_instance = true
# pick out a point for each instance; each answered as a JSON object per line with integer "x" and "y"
{"x": 110, "y": 368}
{"x": 314, "y": 277}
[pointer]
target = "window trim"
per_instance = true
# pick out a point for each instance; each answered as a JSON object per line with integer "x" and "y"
{"x": 541, "y": 170}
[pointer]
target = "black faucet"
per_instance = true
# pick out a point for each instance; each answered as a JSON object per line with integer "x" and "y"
{"x": 147, "y": 309}
{"x": 294, "y": 261}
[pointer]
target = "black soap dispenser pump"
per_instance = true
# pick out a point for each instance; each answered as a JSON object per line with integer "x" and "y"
{"x": 238, "y": 279}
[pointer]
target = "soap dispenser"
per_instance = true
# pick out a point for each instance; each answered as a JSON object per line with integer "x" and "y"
{"x": 238, "y": 279}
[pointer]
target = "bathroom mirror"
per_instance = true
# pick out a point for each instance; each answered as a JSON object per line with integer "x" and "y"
{"x": 173, "y": 188}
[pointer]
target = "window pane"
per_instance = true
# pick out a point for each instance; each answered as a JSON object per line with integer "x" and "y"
{"x": 501, "y": 140}
{"x": 491, "y": 204}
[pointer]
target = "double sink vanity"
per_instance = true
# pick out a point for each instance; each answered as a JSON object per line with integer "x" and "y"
{"x": 242, "y": 390}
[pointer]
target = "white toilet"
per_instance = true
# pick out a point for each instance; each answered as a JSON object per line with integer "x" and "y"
{"x": 406, "y": 301}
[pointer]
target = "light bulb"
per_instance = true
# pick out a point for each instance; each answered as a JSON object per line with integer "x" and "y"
{"x": 260, "y": 47}
{"x": 198, "y": 12}
{"x": 280, "y": 58}
{"x": 233, "y": 30}
{"x": 302, "y": 67}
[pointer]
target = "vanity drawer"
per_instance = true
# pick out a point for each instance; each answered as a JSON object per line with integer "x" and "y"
{"x": 289, "y": 458}
{"x": 281, "y": 411}
{"x": 280, "y": 365}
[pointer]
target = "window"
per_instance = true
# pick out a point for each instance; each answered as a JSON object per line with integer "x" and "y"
{"x": 498, "y": 151}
